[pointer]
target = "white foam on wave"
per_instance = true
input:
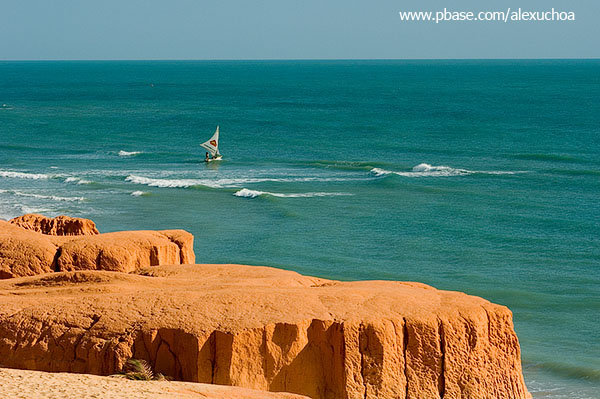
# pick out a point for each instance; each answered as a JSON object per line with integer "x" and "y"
{"x": 220, "y": 183}
{"x": 246, "y": 193}
{"x": 168, "y": 183}
{"x": 128, "y": 153}
{"x": 77, "y": 180}
{"x": 426, "y": 170}
{"x": 23, "y": 175}
{"x": 41, "y": 196}
{"x": 138, "y": 193}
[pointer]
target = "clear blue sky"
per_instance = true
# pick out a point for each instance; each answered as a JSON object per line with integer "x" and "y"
{"x": 285, "y": 29}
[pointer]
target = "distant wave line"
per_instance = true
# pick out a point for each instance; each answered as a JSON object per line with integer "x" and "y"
{"x": 23, "y": 175}
{"x": 9, "y": 174}
{"x": 41, "y": 196}
{"x": 128, "y": 153}
{"x": 570, "y": 371}
{"x": 427, "y": 170}
{"x": 246, "y": 193}
{"x": 219, "y": 183}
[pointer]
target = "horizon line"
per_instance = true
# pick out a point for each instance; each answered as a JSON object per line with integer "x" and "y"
{"x": 301, "y": 59}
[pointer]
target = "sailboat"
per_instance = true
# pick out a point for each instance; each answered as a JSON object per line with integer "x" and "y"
{"x": 212, "y": 146}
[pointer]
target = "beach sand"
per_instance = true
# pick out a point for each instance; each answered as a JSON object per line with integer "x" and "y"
{"x": 26, "y": 384}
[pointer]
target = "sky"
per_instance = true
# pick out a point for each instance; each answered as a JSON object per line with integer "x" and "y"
{"x": 287, "y": 29}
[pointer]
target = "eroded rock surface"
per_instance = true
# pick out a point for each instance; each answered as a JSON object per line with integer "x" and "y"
{"x": 266, "y": 329}
{"x": 24, "y": 252}
{"x": 58, "y": 226}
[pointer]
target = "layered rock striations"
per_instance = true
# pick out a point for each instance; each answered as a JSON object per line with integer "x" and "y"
{"x": 39, "y": 248}
{"x": 266, "y": 329}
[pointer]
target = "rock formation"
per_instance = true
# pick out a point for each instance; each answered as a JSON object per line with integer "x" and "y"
{"x": 58, "y": 226}
{"x": 27, "y": 252}
{"x": 262, "y": 328}
{"x": 24, "y": 252}
{"x": 124, "y": 251}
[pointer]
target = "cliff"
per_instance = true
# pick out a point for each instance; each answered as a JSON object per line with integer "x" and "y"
{"x": 47, "y": 245}
{"x": 261, "y": 328}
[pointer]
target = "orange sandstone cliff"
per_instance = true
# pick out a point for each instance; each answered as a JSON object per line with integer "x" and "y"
{"x": 266, "y": 329}
{"x": 33, "y": 244}
{"x": 86, "y": 303}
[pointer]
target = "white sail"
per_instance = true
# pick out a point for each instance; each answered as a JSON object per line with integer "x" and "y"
{"x": 212, "y": 145}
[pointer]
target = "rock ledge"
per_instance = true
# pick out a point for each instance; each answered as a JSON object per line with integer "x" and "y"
{"x": 266, "y": 329}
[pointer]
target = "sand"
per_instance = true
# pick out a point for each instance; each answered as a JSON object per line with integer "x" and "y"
{"x": 26, "y": 384}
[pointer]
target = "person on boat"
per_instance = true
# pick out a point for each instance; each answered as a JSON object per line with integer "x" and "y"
{"x": 207, "y": 158}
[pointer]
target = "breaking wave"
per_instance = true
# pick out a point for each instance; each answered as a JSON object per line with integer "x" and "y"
{"x": 23, "y": 175}
{"x": 138, "y": 193}
{"x": 219, "y": 183}
{"x": 170, "y": 183}
{"x": 9, "y": 174}
{"x": 246, "y": 193}
{"x": 426, "y": 170}
{"x": 77, "y": 180}
{"x": 128, "y": 153}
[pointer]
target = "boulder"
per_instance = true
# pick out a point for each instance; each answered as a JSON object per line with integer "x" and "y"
{"x": 58, "y": 226}
{"x": 265, "y": 329}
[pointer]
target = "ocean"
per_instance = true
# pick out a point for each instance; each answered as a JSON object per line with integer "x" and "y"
{"x": 476, "y": 176}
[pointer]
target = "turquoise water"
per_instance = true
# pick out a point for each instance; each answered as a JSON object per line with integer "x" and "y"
{"x": 478, "y": 176}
